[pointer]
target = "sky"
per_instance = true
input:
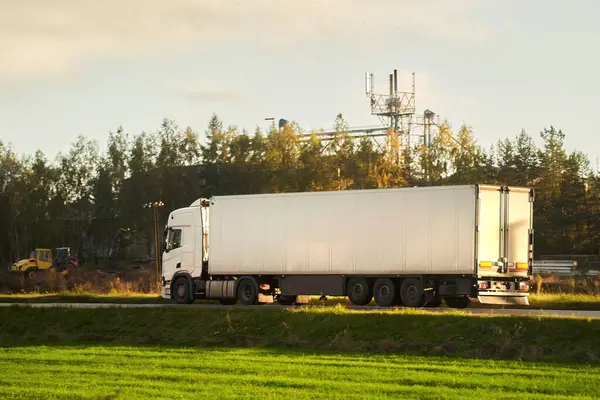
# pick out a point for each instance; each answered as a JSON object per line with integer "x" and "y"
{"x": 70, "y": 67}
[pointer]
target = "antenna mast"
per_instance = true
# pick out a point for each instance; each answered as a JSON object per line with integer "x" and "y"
{"x": 395, "y": 109}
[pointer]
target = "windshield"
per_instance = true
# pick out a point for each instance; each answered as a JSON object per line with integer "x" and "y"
{"x": 173, "y": 239}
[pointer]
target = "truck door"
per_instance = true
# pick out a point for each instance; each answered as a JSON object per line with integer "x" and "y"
{"x": 172, "y": 256}
{"x": 519, "y": 225}
{"x": 489, "y": 238}
{"x": 504, "y": 226}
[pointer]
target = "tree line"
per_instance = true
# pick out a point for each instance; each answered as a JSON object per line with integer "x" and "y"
{"x": 83, "y": 197}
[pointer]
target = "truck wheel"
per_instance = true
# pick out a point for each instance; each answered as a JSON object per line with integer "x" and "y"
{"x": 436, "y": 302}
{"x": 182, "y": 291}
{"x": 384, "y": 292}
{"x": 411, "y": 292}
{"x": 457, "y": 302}
{"x": 247, "y": 292}
{"x": 30, "y": 274}
{"x": 359, "y": 291}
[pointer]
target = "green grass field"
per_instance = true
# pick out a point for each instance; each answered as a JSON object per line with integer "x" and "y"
{"x": 124, "y": 372}
{"x": 455, "y": 334}
{"x": 300, "y": 353}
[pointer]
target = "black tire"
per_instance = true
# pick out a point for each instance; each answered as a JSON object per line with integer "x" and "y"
{"x": 457, "y": 302}
{"x": 228, "y": 301}
{"x": 30, "y": 273}
{"x": 411, "y": 292}
{"x": 436, "y": 302}
{"x": 286, "y": 300}
{"x": 182, "y": 291}
{"x": 359, "y": 292}
{"x": 384, "y": 292}
{"x": 247, "y": 292}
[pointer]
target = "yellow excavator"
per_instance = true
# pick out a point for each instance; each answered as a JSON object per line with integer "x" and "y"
{"x": 41, "y": 260}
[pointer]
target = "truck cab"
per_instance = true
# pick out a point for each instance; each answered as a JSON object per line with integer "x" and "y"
{"x": 186, "y": 245}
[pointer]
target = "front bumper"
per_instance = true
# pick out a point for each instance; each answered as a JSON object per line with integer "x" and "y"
{"x": 166, "y": 290}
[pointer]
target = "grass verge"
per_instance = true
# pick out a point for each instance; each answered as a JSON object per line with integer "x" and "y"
{"x": 125, "y": 372}
{"x": 337, "y": 329}
{"x": 551, "y": 301}
{"x": 540, "y": 301}
{"x": 75, "y": 297}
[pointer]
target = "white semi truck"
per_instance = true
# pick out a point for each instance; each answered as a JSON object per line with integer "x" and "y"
{"x": 408, "y": 246}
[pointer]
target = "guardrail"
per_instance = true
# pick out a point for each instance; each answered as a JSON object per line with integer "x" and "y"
{"x": 560, "y": 267}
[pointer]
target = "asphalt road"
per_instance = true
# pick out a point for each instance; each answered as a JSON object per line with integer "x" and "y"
{"x": 472, "y": 311}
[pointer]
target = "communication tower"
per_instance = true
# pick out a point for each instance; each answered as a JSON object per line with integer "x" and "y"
{"x": 395, "y": 109}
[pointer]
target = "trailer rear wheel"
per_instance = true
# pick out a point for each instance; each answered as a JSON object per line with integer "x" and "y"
{"x": 384, "y": 292}
{"x": 457, "y": 302}
{"x": 359, "y": 292}
{"x": 411, "y": 292}
{"x": 437, "y": 300}
{"x": 247, "y": 292}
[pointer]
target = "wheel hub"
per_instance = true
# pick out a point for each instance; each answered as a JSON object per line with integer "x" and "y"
{"x": 357, "y": 290}
{"x": 384, "y": 292}
{"x": 181, "y": 291}
{"x": 411, "y": 292}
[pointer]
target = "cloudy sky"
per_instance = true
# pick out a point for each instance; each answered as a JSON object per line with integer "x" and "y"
{"x": 70, "y": 67}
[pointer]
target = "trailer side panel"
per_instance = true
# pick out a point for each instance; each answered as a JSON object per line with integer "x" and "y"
{"x": 366, "y": 232}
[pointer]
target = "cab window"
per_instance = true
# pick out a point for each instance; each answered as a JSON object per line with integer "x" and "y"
{"x": 174, "y": 239}
{"x": 44, "y": 256}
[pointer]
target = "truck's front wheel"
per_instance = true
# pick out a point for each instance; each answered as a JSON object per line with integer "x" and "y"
{"x": 182, "y": 291}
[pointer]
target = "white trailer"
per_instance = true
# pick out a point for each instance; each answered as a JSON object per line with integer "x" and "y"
{"x": 407, "y": 246}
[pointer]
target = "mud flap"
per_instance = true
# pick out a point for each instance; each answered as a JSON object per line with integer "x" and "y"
{"x": 504, "y": 300}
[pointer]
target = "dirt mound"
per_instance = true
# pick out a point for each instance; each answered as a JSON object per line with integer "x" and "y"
{"x": 89, "y": 280}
